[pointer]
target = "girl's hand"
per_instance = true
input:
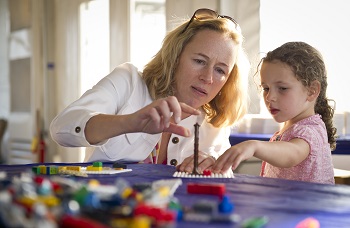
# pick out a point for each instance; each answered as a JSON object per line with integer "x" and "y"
{"x": 162, "y": 116}
{"x": 234, "y": 156}
{"x": 205, "y": 161}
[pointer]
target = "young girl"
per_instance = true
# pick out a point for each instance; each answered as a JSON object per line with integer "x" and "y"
{"x": 294, "y": 84}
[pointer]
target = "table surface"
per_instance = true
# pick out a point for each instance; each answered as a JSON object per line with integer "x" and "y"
{"x": 284, "y": 202}
{"x": 343, "y": 143}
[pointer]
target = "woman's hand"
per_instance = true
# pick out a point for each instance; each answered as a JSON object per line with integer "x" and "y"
{"x": 163, "y": 115}
{"x": 205, "y": 161}
{"x": 160, "y": 116}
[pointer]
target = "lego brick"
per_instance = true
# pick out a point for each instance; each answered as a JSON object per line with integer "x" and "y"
{"x": 204, "y": 175}
{"x": 119, "y": 165}
{"x": 206, "y": 188}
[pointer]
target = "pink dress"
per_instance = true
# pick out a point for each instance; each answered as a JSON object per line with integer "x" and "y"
{"x": 318, "y": 166}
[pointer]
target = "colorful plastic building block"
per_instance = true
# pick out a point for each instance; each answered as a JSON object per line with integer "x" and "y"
{"x": 161, "y": 217}
{"x": 93, "y": 168}
{"x": 206, "y": 188}
{"x": 97, "y": 164}
{"x": 255, "y": 222}
{"x": 36, "y": 169}
{"x": 42, "y": 169}
{"x": 74, "y": 221}
{"x": 74, "y": 168}
{"x": 308, "y": 223}
{"x": 206, "y": 175}
{"x": 206, "y": 172}
{"x": 225, "y": 206}
{"x": 118, "y": 165}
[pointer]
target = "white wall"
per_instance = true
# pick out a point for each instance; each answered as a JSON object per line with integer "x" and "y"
{"x": 4, "y": 72}
{"x": 4, "y": 63}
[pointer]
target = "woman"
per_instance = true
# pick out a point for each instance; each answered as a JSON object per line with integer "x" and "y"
{"x": 196, "y": 77}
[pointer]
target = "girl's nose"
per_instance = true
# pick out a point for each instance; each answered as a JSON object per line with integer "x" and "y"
{"x": 270, "y": 96}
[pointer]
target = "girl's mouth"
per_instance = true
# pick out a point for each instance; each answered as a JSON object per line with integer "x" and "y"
{"x": 274, "y": 111}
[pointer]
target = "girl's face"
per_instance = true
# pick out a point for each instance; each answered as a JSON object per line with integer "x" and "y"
{"x": 204, "y": 67}
{"x": 286, "y": 98}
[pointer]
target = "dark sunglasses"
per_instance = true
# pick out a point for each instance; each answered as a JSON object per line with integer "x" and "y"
{"x": 203, "y": 14}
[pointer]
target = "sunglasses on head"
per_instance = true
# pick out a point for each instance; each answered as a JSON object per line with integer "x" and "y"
{"x": 204, "y": 14}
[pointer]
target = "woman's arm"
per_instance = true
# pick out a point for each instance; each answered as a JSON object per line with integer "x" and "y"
{"x": 154, "y": 118}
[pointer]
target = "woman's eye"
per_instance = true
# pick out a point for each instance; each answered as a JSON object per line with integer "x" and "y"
{"x": 220, "y": 71}
{"x": 199, "y": 61}
{"x": 282, "y": 88}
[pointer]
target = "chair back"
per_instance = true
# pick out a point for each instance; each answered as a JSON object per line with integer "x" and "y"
{"x": 3, "y": 127}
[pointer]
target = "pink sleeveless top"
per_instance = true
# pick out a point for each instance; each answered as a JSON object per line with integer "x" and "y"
{"x": 318, "y": 166}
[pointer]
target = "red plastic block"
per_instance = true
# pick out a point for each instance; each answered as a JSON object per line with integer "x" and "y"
{"x": 206, "y": 188}
{"x": 206, "y": 172}
{"x": 72, "y": 221}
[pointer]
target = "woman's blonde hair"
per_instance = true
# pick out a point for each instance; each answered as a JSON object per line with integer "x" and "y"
{"x": 230, "y": 104}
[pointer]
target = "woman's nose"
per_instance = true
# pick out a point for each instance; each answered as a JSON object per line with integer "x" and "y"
{"x": 207, "y": 76}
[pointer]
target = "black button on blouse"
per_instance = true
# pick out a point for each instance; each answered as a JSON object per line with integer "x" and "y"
{"x": 173, "y": 162}
{"x": 175, "y": 140}
{"x": 77, "y": 129}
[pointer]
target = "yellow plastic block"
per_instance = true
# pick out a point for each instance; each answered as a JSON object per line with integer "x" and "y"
{"x": 94, "y": 182}
{"x": 62, "y": 168}
{"x": 74, "y": 168}
{"x": 50, "y": 200}
{"x": 42, "y": 169}
{"x": 141, "y": 222}
{"x": 91, "y": 168}
{"x": 126, "y": 192}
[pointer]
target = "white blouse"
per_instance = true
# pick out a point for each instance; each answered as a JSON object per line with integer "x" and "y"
{"x": 121, "y": 92}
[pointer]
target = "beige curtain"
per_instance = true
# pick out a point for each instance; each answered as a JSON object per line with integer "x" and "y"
{"x": 67, "y": 83}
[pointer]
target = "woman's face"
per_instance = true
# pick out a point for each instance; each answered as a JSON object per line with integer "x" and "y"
{"x": 204, "y": 67}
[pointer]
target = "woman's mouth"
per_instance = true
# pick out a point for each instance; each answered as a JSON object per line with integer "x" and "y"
{"x": 199, "y": 90}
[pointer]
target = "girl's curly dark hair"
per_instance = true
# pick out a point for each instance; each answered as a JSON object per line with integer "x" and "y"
{"x": 308, "y": 65}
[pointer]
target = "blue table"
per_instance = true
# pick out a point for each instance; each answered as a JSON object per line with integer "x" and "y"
{"x": 284, "y": 202}
{"x": 343, "y": 144}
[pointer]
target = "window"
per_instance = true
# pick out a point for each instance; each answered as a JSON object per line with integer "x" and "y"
{"x": 322, "y": 24}
{"x": 94, "y": 43}
{"x": 94, "y": 46}
{"x": 148, "y": 28}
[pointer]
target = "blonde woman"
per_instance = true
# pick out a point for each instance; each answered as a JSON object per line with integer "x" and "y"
{"x": 196, "y": 77}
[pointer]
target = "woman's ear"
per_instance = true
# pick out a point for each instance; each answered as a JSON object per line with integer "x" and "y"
{"x": 314, "y": 90}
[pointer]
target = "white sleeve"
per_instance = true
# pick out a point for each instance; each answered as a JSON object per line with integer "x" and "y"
{"x": 107, "y": 96}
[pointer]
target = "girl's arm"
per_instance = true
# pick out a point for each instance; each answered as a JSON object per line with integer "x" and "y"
{"x": 280, "y": 154}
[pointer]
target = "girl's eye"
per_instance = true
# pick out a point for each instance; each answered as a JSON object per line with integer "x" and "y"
{"x": 282, "y": 88}
{"x": 265, "y": 89}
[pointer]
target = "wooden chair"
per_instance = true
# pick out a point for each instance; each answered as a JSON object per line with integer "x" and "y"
{"x": 3, "y": 127}
{"x": 342, "y": 176}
